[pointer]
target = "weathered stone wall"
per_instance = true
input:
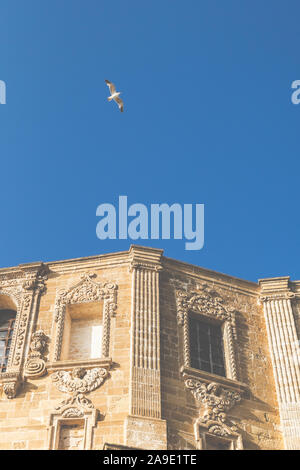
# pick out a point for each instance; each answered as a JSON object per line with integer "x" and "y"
{"x": 257, "y": 415}
{"x": 148, "y": 396}
{"x": 24, "y": 419}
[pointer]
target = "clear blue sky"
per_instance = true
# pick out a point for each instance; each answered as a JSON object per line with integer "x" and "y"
{"x": 208, "y": 119}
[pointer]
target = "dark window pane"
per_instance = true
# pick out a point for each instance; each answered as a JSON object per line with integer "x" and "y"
{"x": 5, "y": 317}
{"x": 6, "y": 330}
{"x": 206, "y": 346}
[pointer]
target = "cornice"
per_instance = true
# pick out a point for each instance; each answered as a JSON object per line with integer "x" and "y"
{"x": 150, "y": 256}
{"x": 199, "y": 274}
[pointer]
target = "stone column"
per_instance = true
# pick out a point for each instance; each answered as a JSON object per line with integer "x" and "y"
{"x": 144, "y": 427}
{"x": 285, "y": 354}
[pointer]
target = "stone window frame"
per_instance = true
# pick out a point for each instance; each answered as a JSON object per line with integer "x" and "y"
{"x": 215, "y": 395}
{"x": 234, "y": 440}
{"x": 24, "y": 287}
{"x": 85, "y": 291}
{"x": 210, "y": 307}
{"x": 72, "y": 411}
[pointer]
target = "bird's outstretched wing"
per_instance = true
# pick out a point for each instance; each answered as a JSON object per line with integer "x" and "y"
{"x": 120, "y": 104}
{"x": 111, "y": 87}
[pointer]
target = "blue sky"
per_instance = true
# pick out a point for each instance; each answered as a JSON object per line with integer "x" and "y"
{"x": 208, "y": 119}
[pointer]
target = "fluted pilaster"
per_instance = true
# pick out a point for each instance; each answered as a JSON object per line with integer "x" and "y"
{"x": 285, "y": 354}
{"x": 145, "y": 389}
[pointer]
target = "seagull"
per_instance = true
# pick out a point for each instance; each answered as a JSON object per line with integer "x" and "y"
{"x": 114, "y": 95}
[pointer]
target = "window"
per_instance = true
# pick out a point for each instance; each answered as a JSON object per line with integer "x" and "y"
{"x": 83, "y": 332}
{"x": 7, "y": 321}
{"x": 71, "y": 436}
{"x": 208, "y": 441}
{"x": 206, "y": 346}
{"x": 218, "y": 443}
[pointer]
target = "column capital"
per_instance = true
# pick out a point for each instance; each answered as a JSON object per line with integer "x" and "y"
{"x": 142, "y": 257}
{"x": 277, "y": 288}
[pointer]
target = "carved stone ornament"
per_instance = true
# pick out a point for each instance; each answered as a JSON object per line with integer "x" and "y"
{"x": 86, "y": 290}
{"x": 35, "y": 280}
{"x": 215, "y": 401}
{"x": 79, "y": 380}
{"x": 36, "y": 365}
{"x": 11, "y": 382}
{"x": 74, "y": 406}
{"x": 206, "y": 302}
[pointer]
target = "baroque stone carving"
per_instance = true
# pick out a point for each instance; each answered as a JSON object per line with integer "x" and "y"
{"x": 10, "y": 389}
{"x": 74, "y": 406}
{"x": 11, "y": 382}
{"x": 35, "y": 280}
{"x": 208, "y": 303}
{"x": 79, "y": 380}
{"x": 35, "y": 365}
{"x": 86, "y": 290}
{"x": 215, "y": 401}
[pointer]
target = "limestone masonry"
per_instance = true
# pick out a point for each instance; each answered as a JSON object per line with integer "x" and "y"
{"x": 134, "y": 350}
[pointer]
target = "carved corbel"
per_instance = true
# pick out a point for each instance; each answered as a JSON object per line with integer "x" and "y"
{"x": 35, "y": 278}
{"x": 11, "y": 382}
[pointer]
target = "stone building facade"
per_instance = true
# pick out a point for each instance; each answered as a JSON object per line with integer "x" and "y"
{"x": 136, "y": 350}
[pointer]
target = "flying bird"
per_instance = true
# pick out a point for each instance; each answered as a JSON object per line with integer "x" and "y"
{"x": 115, "y": 95}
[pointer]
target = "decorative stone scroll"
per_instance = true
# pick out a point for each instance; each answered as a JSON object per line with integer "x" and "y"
{"x": 36, "y": 365}
{"x": 215, "y": 401}
{"x": 208, "y": 303}
{"x": 86, "y": 290}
